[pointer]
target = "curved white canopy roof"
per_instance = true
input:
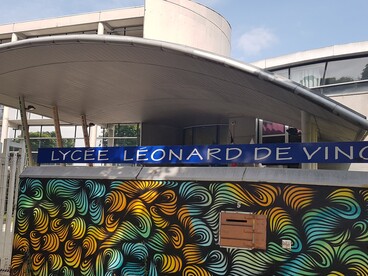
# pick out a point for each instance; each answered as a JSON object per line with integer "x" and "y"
{"x": 125, "y": 79}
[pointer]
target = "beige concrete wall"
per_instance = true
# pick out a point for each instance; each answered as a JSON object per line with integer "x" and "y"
{"x": 187, "y": 23}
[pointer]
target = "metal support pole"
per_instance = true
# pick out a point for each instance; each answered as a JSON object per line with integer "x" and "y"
{"x": 85, "y": 134}
{"x": 309, "y": 135}
{"x": 25, "y": 129}
{"x": 59, "y": 140}
{"x": 85, "y": 131}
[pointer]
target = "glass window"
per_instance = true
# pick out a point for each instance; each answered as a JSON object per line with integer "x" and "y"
{"x": 34, "y": 116}
{"x": 120, "y": 135}
{"x": 36, "y": 130}
{"x": 308, "y": 75}
{"x": 48, "y": 129}
{"x": 223, "y": 134}
{"x": 271, "y": 132}
{"x": 67, "y": 131}
{"x": 188, "y": 136}
{"x": 347, "y": 70}
{"x": 205, "y": 135}
{"x": 13, "y": 114}
{"x": 282, "y": 72}
{"x": 270, "y": 128}
{"x": 79, "y": 132}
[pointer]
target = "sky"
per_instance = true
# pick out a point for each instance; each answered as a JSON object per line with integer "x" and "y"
{"x": 260, "y": 29}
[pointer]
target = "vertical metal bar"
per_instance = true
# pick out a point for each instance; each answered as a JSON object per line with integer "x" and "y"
{"x": 85, "y": 131}
{"x": 21, "y": 161}
{"x": 59, "y": 140}
{"x": 25, "y": 129}
{"x": 3, "y": 185}
{"x": 4, "y": 182}
{"x": 9, "y": 209}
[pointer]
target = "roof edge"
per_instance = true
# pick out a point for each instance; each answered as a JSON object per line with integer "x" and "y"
{"x": 332, "y": 106}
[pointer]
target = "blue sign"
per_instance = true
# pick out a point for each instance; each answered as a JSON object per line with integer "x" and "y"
{"x": 344, "y": 152}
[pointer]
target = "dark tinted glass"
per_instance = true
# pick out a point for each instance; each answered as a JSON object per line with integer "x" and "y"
{"x": 347, "y": 70}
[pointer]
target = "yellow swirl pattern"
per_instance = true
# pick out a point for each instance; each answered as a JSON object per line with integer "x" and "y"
{"x": 78, "y": 228}
{"x": 279, "y": 219}
{"x": 20, "y": 244}
{"x": 55, "y": 261}
{"x": 72, "y": 253}
{"x": 195, "y": 270}
{"x": 57, "y": 225}
{"x": 264, "y": 195}
{"x": 298, "y": 197}
{"x": 22, "y": 221}
{"x": 168, "y": 264}
{"x": 111, "y": 222}
{"x": 51, "y": 242}
{"x": 105, "y": 228}
{"x": 176, "y": 236}
{"x": 41, "y": 220}
{"x": 149, "y": 196}
{"x": 168, "y": 203}
{"x": 341, "y": 193}
{"x": 158, "y": 220}
{"x": 193, "y": 254}
{"x": 35, "y": 238}
{"x": 116, "y": 200}
{"x": 69, "y": 209}
{"x": 38, "y": 263}
{"x": 89, "y": 245}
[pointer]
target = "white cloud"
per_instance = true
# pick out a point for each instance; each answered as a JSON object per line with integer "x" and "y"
{"x": 256, "y": 40}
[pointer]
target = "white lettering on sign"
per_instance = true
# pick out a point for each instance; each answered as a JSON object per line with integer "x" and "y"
{"x": 310, "y": 155}
{"x": 283, "y": 151}
{"x": 229, "y": 150}
{"x": 256, "y": 153}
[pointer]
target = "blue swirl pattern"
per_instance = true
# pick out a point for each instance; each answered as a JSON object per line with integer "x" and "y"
{"x": 103, "y": 227}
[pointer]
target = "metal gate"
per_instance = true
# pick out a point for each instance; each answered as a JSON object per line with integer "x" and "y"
{"x": 12, "y": 162}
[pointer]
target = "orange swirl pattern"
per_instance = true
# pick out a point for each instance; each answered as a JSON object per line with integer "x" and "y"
{"x": 104, "y": 228}
{"x": 168, "y": 264}
{"x": 50, "y": 242}
{"x": 298, "y": 197}
{"x": 72, "y": 253}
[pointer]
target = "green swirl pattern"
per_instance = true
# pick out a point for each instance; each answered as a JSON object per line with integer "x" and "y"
{"x": 90, "y": 227}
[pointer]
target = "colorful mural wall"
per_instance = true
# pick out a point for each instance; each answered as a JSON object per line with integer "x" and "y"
{"x": 108, "y": 227}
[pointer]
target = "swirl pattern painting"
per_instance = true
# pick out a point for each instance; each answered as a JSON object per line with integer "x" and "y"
{"x": 104, "y": 227}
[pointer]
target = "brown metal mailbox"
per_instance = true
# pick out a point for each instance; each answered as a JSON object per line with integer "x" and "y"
{"x": 243, "y": 230}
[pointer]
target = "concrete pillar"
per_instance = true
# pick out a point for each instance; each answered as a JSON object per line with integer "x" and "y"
{"x": 100, "y": 28}
{"x": 14, "y": 37}
{"x": 309, "y": 135}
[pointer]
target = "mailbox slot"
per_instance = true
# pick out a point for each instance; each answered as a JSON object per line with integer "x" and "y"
{"x": 243, "y": 230}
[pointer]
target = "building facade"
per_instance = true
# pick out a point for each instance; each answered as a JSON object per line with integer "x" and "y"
{"x": 161, "y": 75}
{"x": 339, "y": 72}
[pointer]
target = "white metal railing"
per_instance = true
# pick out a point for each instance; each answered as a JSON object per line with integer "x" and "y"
{"x": 12, "y": 161}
